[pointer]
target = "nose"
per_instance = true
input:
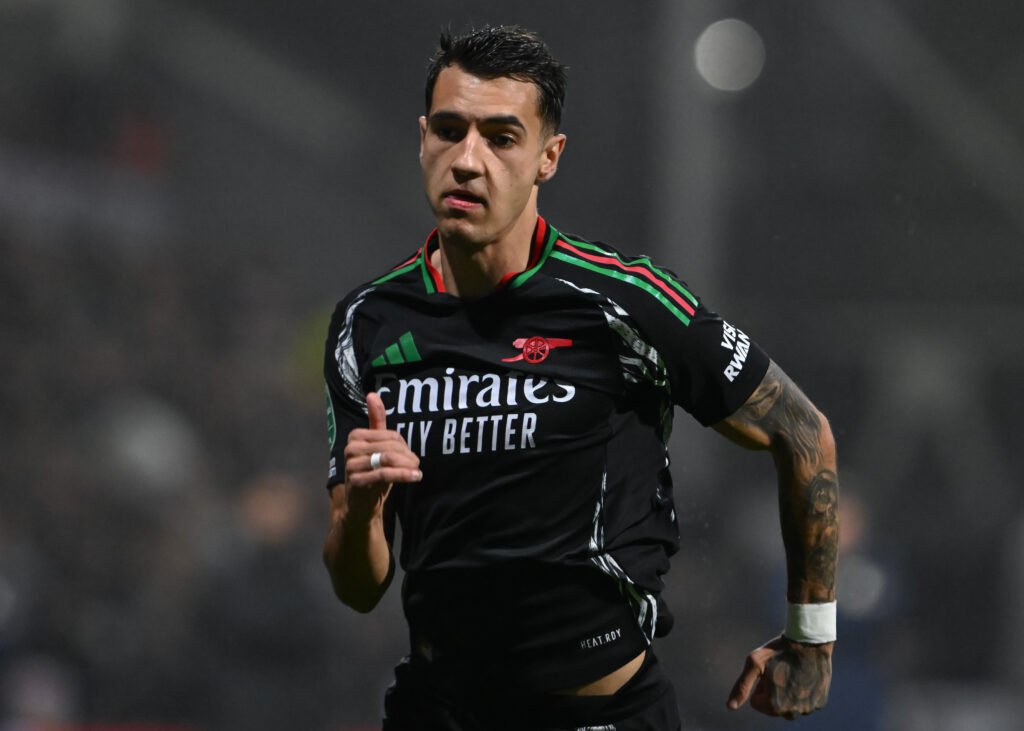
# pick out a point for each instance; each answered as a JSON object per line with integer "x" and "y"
{"x": 468, "y": 161}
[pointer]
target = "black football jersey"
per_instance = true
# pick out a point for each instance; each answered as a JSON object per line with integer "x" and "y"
{"x": 541, "y": 412}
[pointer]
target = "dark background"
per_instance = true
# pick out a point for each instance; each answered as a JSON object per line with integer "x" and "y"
{"x": 186, "y": 188}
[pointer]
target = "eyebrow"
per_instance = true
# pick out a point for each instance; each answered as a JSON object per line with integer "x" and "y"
{"x": 506, "y": 119}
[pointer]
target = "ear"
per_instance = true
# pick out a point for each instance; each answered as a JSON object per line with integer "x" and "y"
{"x": 423, "y": 134}
{"x": 549, "y": 157}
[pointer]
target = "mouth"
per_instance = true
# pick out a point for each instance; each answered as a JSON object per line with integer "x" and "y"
{"x": 462, "y": 200}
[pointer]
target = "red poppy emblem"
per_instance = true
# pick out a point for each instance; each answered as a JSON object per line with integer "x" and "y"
{"x": 536, "y": 349}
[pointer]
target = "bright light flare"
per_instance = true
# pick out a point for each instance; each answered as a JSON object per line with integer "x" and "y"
{"x": 729, "y": 55}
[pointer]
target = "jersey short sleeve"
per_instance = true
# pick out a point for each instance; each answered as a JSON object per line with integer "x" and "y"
{"x": 709, "y": 366}
{"x": 346, "y": 399}
{"x": 713, "y": 365}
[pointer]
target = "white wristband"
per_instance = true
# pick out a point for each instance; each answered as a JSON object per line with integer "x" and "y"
{"x": 812, "y": 624}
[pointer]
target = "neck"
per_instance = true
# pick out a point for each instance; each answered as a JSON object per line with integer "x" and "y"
{"x": 472, "y": 269}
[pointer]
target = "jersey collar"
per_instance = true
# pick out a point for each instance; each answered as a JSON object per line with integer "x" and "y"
{"x": 543, "y": 240}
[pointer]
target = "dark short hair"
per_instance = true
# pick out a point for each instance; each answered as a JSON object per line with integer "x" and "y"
{"x": 505, "y": 50}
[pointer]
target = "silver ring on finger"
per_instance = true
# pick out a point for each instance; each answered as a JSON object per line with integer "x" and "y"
{"x": 375, "y": 461}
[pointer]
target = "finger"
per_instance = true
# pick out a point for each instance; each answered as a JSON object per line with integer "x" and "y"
{"x": 761, "y": 698}
{"x": 376, "y": 411}
{"x": 384, "y": 474}
{"x": 358, "y": 451}
{"x": 403, "y": 458}
{"x": 745, "y": 683}
{"x": 374, "y": 439}
{"x": 362, "y": 441}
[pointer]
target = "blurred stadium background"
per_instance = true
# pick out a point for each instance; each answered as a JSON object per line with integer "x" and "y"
{"x": 187, "y": 187}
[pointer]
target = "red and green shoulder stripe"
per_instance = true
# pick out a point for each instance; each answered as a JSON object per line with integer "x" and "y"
{"x": 418, "y": 262}
{"x": 639, "y": 272}
{"x": 406, "y": 266}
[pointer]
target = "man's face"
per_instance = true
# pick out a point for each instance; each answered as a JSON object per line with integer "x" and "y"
{"x": 483, "y": 150}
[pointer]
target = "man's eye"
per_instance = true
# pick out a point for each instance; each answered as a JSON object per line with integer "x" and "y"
{"x": 503, "y": 140}
{"x": 448, "y": 134}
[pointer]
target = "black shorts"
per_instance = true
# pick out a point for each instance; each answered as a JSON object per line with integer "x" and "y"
{"x": 424, "y": 699}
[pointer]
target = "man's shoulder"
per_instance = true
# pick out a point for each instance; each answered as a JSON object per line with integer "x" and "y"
{"x": 405, "y": 274}
{"x": 408, "y": 272}
{"x": 626, "y": 278}
{"x": 603, "y": 258}
{"x": 404, "y": 279}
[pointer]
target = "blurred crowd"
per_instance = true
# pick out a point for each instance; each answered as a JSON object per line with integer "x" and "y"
{"x": 162, "y": 508}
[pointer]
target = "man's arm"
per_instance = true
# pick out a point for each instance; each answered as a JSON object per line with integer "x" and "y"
{"x": 357, "y": 553}
{"x": 793, "y": 678}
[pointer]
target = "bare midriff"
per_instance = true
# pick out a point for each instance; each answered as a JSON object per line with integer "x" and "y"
{"x": 611, "y": 682}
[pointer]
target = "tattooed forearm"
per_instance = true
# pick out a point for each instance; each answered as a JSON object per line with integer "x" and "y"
{"x": 780, "y": 417}
{"x": 823, "y": 519}
{"x": 810, "y": 529}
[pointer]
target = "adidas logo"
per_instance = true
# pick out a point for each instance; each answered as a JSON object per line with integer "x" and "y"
{"x": 403, "y": 351}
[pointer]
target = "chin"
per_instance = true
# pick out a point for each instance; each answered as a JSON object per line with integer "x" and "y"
{"x": 459, "y": 229}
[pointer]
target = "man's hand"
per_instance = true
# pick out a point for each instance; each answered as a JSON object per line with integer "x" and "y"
{"x": 785, "y": 678}
{"x": 368, "y": 486}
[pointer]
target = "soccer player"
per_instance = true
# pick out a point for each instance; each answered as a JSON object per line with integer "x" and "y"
{"x": 506, "y": 393}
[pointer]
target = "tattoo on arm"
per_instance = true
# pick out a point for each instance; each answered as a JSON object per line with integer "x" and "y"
{"x": 809, "y": 488}
{"x": 763, "y": 399}
{"x": 810, "y": 530}
{"x": 800, "y": 677}
{"x": 823, "y": 517}
{"x": 781, "y": 410}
